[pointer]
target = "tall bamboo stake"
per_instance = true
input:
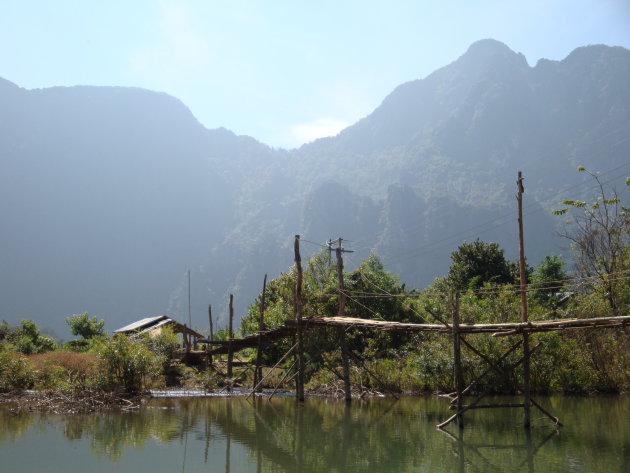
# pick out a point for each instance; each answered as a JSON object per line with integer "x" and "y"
{"x": 230, "y": 359}
{"x": 299, "y": 391}
{"x": 261, "y": 328}
{"x": 211, "y": 334}
{"x": 457, "y": 361}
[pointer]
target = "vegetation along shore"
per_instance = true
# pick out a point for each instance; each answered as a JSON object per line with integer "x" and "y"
{"x": 97, "y": 371}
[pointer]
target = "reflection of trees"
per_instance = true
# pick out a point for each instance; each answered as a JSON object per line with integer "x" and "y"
{"x": 326, "y": 435}
{"x": 375, "y": 435}
{"x": 110, "y": 432}
{"x": 14, "y": 424}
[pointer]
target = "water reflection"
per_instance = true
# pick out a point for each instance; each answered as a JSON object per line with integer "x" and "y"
{"x": 384, "y": 435}
{"x": 472, "y": 454}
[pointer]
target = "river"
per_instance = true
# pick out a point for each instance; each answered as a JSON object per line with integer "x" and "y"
{"x": 379, "y": 435}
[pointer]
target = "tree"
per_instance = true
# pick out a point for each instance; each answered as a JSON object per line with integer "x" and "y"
{"x": 599, "y": 232}
{"x": 26, "y": 338}
{"x": 476, "y": 263}
{"x": 548, "y": 278}
{"x": 81, "y": 324}
{"x": 320, "y": 295}
{"x": 371, "y": 278}
{"x": 128, "y": 364}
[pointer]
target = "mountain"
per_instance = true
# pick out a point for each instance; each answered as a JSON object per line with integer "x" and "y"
{"x": 109, "y": 195}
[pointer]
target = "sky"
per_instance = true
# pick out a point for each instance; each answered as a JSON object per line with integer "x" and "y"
{"x": 282, "y": 71}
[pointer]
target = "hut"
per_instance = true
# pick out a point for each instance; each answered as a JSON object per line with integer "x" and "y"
{"x": 154, "y": 325}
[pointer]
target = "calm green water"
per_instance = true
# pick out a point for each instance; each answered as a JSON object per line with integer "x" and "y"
{"x": 377, "y": 435}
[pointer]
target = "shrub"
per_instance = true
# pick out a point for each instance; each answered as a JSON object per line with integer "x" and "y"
{"x": 164, "y": 345}
{"x": 127, "y": 364}
{"x": 26, "y": 338}
{"x": 15, "y": 372}
{"x": 65, "y": 369}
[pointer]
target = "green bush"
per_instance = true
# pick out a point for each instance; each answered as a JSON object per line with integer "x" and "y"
{"x": 164, "y": 346}
{"x": 16, "y": 374}
{"x": 26, "y": 338}
{"x": 65, "y": 369}
{"x": 128, "y": 364}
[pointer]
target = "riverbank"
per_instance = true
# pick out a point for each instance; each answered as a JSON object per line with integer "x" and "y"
{"x": 64, "y": 402}
{"x": 94, "y": 400}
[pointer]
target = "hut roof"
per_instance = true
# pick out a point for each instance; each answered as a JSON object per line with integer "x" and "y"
{"x": 151, "y": 323}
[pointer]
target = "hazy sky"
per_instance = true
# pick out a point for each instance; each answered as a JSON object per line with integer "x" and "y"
{"x": 284, "y": 72}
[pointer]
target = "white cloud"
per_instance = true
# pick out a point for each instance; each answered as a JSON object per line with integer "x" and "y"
{"x": 318, "y": 128}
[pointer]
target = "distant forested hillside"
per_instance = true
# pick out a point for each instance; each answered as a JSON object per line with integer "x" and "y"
{"x": 109, "y": 195}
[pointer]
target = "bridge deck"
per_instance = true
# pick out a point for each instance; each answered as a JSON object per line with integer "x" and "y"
{"x": 504, "y": 329}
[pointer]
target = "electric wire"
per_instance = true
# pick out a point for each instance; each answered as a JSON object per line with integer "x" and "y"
{"x": 530, "y": 209}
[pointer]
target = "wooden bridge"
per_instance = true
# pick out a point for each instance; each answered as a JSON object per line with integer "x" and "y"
{"x": 290, "y": 329}
{"x": 458, "y": 331}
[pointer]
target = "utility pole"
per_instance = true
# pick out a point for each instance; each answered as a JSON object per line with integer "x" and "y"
{"x": 523, "y": 291}
{"x": 341, "y": 312}
{"x": 299, "y": 380}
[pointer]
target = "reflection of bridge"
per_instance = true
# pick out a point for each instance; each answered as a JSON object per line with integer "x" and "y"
{"x": 296, "y": 441}
{"x": 261, "y": 440}
{"x": 528, "y": 448}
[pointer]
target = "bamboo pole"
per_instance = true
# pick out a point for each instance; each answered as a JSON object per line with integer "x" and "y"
{"x": 230, "y": 359}
{"x": 358, "y": 360}
{"x": 273, "y": 368}
{"x": 459, "y": 412}
{"x": 299, "y": 391}
{"x": 261, "y": 328}
{"x": 286, "y": 375}
{"x": 457, "y": 360}
{"x": 211, "y": 334}
{"x": 490, "y": 368}
{"x": 497, "y": 330}
{"x": 547, "y": 413}
{"x": 491, "y": 406}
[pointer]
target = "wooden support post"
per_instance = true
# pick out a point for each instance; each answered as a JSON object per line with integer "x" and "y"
{"x": 211, "y": 334}
{"x": 491, "y": 366}
{"x": 457, "y": 360}
{"x": 284, "y": 378}
{"x": 261, "y": 328}
{"x": 230, "y": 359}
{"x": 547, "y": 413}
{"x": 523, "y": 290}
{"x": 345, "y": 364}
{"x": 341, "y": 312}
{"x": 371, "y": 373}
{"x": 272, "y": 369}
{"x": 463, "y": 409}
{"x": 299, "y": 383}
{"x": 186, "y": 340}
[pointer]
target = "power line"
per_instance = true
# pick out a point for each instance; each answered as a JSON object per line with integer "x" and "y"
{"x": 491, "y": 224}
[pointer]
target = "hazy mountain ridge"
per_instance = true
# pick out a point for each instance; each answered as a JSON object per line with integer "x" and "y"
{"x": 110, "y": 194}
